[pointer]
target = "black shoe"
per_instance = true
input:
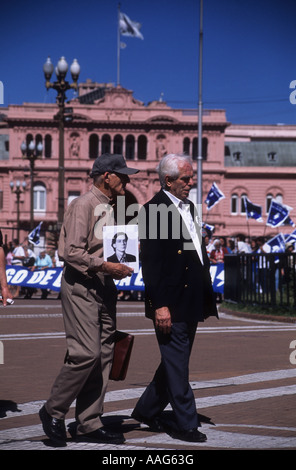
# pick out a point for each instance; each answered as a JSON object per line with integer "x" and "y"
{"x": 192, "y": 435}
{"x": 101, "y": 436}
{"x": 54, "y": 428}
{"x": 155, "y": 424}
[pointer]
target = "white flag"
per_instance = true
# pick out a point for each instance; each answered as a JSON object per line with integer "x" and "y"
{"x": 128, "y": 27}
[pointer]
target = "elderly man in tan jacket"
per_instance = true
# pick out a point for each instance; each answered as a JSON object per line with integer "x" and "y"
{"x": 88, "y": 296}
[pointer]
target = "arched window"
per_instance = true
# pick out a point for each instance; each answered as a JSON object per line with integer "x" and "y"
{"x": 29, "y": 138}
{"x": 186, "y": 145}
{"x": 130, "y": 147}
{"x": 234, "y": 204}
{"x": 38, "y": 140}
{"x": 47, "y": 146}
{"x": 106, "y": 143}
{"x": 204, "y": 148}
{"x": 117, "y": 146}
{"x": 194, "y": 148}
{"x": 39, "y": 197}
{"x": 269, "y": 198}
{"x": 243, "y": 209}
{"x": 142, "y": 147}
{"x": 93, "y": 149}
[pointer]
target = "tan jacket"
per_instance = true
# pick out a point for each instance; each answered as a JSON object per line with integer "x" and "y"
{"x": 81, "y": 237}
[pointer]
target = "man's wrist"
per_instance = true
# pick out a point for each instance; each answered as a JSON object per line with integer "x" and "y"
{"x": 103, "y": 267}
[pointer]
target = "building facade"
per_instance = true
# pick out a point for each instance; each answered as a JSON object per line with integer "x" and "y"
{"x": 254, "y": 161}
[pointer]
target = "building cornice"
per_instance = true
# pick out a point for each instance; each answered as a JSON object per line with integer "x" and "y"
{"x": 260, "y": 172}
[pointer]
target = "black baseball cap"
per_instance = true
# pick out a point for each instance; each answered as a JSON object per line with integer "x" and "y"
{"x": 111, "y": 163}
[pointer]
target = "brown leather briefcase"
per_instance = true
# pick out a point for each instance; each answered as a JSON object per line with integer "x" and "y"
{"x": 122, "y": 353}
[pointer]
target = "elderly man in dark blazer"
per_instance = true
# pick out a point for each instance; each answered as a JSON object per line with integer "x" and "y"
{"x": 178, "y": 295}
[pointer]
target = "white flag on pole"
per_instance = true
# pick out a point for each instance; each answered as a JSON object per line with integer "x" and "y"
{"x": 128, "y": 27}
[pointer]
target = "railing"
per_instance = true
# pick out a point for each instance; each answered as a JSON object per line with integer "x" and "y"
{"x": 268, "y": 280}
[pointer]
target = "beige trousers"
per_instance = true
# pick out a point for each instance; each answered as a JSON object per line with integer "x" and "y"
{"x": 89, "y": 311}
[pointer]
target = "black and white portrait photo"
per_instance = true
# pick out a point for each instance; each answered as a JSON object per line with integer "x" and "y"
{"x": 121, "y": 245}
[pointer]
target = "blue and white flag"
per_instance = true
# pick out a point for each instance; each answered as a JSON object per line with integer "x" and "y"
{"x": 214, "y": 196}
{"x": 291, "y": 238}
{"x": 278, "y": 213}
{"x": 207, "y": 229}
{"x": 289, "y": 221}
{"x": 34, "y": 236}
{"x": 217, "y": 276}
{"x": 253, "y": 211}
{"x": 128, "y": 27}
{"x": 277, "y": 244}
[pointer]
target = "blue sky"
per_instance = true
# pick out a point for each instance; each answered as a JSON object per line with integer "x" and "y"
{"x": 249, "y": 52}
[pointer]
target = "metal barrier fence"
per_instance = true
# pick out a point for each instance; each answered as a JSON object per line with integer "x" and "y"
{"x": 268, "y": 280}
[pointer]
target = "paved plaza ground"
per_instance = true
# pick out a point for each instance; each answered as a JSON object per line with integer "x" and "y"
{"x": 241, "y": 371}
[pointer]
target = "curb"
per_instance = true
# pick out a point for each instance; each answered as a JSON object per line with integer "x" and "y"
{"x": 260, "y": 316}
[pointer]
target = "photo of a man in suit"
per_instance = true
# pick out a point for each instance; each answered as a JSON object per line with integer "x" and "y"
{"x": 178, "y": 295}
{"x": 119, "y": 245}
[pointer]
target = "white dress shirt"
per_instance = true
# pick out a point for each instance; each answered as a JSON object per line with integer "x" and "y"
{"x": 184, "y": 209}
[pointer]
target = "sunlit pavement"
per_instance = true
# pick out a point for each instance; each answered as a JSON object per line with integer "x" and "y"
{"x": 241, "y": 371}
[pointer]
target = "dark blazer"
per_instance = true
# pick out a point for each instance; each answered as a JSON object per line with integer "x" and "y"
{"x": 173, "y": 275}
{"x": 128, "y": 258}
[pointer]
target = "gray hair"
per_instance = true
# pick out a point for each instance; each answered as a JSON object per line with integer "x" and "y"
{"x": 170, "y": 166}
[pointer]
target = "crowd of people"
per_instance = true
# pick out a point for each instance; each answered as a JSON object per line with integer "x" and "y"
{"x": 218, "y": 247}
{"x": 23, "y": 254}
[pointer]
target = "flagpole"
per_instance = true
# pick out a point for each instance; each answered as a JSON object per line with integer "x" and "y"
{"x": 264, "y": 230}
{"x": 249, "y": 235}
{"x": 199, "y": 157}
{"x": 118, "y": 47}
{"x": 246, "y": 209}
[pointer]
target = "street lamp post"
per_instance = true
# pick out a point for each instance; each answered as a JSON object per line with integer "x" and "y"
{"x": 199, "y": 156}
{"x": 61, "y": 86}
{"x": 31, "y": 152}
{"x": 19, "y": 189}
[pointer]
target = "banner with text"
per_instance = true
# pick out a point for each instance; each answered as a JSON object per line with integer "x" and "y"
{"x": 50, "y": 278}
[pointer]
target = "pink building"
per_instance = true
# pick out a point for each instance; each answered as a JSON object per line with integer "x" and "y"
{"x": 257, "y": 161}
